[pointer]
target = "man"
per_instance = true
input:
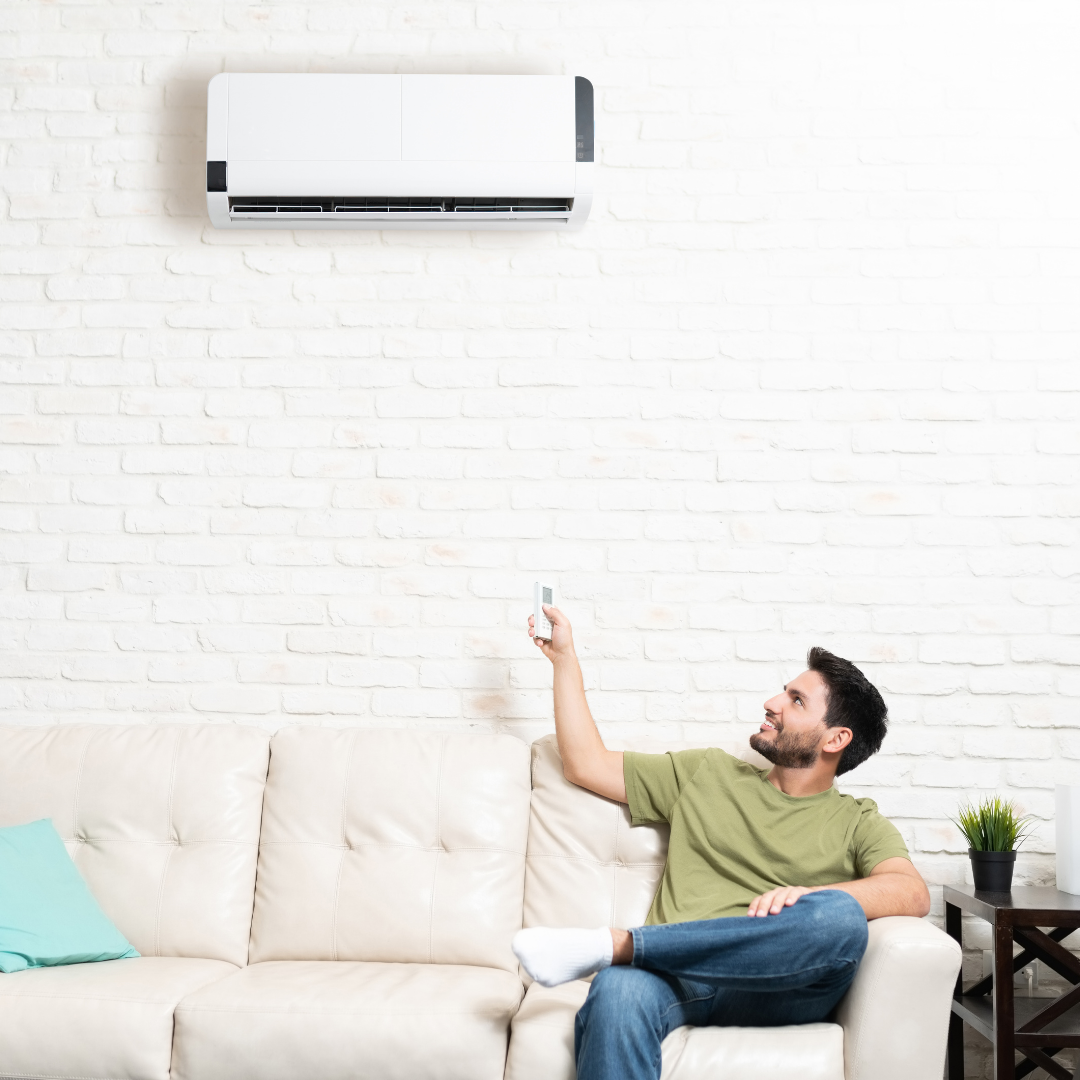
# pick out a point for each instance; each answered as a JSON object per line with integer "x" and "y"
{"x": 760, "y": 916}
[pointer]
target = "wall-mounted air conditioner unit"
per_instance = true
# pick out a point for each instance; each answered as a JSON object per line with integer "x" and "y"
{"x": 399, "y": 151}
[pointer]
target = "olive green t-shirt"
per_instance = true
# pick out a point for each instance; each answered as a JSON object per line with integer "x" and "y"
{"x": 734, "y": 835}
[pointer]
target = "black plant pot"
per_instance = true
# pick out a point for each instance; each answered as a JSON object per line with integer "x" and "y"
{"x": 992, "y": 870}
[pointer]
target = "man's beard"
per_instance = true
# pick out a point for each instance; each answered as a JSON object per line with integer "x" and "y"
{"x": 788, "y": 750}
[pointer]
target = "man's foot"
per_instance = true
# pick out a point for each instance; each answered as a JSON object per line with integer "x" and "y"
{"x": 552, "y": 956}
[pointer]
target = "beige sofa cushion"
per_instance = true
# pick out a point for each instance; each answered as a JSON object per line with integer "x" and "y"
{"x": 808, "y": 1051}
{"x": 393, "y": 846}
{"x": 542, "y": 1045}
{"x": 542, "y": 1033}
{"x": 343, "y": 1021}
{"x": 586, "y": 866}
{"x": 97, "y": 1021}
{"x": 161, "y": 820}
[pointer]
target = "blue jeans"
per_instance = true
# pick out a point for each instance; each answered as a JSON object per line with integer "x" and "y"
{"x": 791, "y": 968}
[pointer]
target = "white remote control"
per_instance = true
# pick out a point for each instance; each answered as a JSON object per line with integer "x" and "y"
{"x": 542, "y": 594}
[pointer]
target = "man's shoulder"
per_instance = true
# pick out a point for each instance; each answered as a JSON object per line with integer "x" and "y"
{"x": 873, "y": 836}
{"x": 864, "y": 806}
{"x": 866, "y": 814}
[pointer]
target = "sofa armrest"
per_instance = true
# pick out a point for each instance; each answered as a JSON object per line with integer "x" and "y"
{"x": 895, "y": 1016}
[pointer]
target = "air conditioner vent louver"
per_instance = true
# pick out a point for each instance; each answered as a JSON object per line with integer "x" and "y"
{"x": 387, "y": 205}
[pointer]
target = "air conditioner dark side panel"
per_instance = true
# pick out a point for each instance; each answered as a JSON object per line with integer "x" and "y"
{"x": 583, "y": 113}
{"x": 217, "y": 176}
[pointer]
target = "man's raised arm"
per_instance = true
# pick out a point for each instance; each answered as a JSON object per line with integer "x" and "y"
{"x": 586, "y": 761}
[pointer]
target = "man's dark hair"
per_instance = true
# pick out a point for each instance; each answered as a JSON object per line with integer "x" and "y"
{"x": 853, "y": 702}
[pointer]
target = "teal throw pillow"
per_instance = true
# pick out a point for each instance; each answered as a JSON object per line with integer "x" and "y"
{"x": 48, "y": 916}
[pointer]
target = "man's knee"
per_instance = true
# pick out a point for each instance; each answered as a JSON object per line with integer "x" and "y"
{"x": 838, "y": 917}
{"x": 620, "y": 993}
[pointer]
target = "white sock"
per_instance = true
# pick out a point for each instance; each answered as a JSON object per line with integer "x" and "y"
{"x": 557, "y": 956}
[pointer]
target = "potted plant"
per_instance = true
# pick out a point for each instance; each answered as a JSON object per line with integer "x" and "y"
{"x": 994, "y": 830}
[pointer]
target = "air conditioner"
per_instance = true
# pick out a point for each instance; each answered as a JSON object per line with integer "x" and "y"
{"x": 399, "y": 151}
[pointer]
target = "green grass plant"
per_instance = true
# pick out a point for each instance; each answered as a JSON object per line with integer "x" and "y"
{"x": 993, "y": 825}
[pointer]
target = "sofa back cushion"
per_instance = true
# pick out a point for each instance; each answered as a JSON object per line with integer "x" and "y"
{"x": 396, "y": 846}
{"x": 161, "y": 820}
{"x": 586, "y": 865}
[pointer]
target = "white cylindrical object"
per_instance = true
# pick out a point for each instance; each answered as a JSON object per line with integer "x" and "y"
{"x": 1068, "y": 838}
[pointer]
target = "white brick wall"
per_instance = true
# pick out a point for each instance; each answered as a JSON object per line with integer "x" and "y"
{"x": 810, "y": 375}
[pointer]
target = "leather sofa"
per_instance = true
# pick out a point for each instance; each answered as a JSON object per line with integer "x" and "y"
{"x": 339, "y": 903}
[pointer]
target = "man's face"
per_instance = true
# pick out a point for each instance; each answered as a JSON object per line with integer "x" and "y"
{"x": 794, "y": 729}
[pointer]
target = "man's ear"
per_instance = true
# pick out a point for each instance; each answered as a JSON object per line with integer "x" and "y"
{"x": 837, "y": 738}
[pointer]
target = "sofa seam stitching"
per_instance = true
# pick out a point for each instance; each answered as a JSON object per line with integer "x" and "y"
{"x": 161, "y": 843}
{"x": 173, "y": 846}
{"x": 49, "y": 1076}
{"x": 344, "y": 845}
{"x": 594, "y": 862}
{"x": 438, "y": 850}
{"x": 78, "y": 786}
{"x": 79, "y": 997}
{"x": 414, "y": 847}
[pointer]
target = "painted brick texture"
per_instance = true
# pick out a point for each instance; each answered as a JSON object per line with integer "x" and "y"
{"x": 810, "y": 375}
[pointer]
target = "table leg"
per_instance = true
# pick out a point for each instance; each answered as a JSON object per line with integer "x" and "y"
{"x": 1004, "y": 1023}
{"x": 954, "y": 928}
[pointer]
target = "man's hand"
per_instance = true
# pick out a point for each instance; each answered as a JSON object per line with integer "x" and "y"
{"x": 775, "y": 900}
{"x": 561, "y": 645}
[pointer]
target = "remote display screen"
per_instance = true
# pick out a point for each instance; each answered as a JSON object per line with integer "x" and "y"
{"x": 547, "y": 596}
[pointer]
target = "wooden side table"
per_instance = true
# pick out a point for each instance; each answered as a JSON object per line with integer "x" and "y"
{"x": 1035, "y": 1027}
